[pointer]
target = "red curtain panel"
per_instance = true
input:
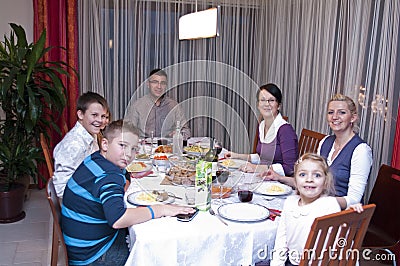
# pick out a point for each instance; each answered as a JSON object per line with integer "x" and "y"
{"x": 59, "y": 18}
{"x": 396, "y": 146}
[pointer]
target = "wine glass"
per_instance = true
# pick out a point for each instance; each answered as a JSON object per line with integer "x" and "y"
{"x": 218, "y": 146}
{"x": 222, "y": 177}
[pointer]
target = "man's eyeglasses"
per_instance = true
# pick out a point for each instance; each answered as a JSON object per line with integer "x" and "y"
{"x": 156, "y": 82}
{"x": 269, "y": 101}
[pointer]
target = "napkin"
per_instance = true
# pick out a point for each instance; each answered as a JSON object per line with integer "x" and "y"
{"x": 273, "y": 213}
{"x": 140, "y": 175}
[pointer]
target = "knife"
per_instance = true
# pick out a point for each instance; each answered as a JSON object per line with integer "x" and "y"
{"x": 273, "y": 211}
{"x": 173, "y": 196}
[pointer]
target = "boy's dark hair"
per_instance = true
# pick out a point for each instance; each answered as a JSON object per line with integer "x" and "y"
{"x": 88, "y": 98}
{"x": 158, "y": 72}
{"x": 116, "y": 127}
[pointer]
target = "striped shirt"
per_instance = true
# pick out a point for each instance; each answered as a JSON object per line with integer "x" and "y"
{"x": 92, "y": 203}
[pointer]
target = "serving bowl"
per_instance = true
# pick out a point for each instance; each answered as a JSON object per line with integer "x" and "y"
{"x": 184, "y": 162}
{"x": 160, "y": 162}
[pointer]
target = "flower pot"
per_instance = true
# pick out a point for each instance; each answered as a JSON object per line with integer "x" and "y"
{"x": 12, "y": 204}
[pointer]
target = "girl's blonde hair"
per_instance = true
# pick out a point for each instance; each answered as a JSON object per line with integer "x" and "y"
{"x": 329, "y": 188}
{"x": 350, "y": 104}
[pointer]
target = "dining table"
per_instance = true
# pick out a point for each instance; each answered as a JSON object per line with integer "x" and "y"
{"x": 204, "y": 240}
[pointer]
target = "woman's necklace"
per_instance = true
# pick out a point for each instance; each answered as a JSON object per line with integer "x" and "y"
{"x": 339, "y": 146}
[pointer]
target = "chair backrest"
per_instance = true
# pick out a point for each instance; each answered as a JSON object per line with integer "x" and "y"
{"x": 384, "y": 227}
{"x": 335, "y": 234}
{"x": 47, "y": 154}
{"x": 58, "y": 239}
{"x": 309, "y": 141}
{"x": 255, "y": 141}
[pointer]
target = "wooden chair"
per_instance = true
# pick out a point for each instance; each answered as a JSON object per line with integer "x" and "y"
{"x": 57, "y": 239}
{"x": 383, "y": 231}
{"x": 335, "y": 234}
{"x": 47, "y": 154}
{"x": 255, "y": 141}
{"x": 309, "y": 141}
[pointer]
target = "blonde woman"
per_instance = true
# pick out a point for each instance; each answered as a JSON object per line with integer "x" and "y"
{"x": 348, "y": 156}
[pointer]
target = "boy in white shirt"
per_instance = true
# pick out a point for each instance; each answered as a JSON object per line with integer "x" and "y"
{"x": 81, "y": 140}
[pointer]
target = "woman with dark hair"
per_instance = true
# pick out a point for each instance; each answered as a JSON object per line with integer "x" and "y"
{"x": 277, "y": 144}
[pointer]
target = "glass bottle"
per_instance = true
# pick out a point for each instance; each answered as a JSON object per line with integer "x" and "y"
{"x": 211, "y": 156}
{"x": 177, "y": 140}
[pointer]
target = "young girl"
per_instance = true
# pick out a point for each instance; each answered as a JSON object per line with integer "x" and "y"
{"x": 315, "y": 190}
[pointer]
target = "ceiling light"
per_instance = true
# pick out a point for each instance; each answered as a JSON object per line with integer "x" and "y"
{"x": 198, "y": 25}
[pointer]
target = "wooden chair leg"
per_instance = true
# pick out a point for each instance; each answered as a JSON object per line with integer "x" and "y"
{"x": 54, "y": 247}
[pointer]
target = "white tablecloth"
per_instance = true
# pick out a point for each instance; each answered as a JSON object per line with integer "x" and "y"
{"x": 203, "y": 241}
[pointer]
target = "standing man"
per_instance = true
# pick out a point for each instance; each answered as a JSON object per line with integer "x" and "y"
{"x": 155, "y": 112}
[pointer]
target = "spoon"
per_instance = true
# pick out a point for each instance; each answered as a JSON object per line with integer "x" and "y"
{"x": 216, "y": 215}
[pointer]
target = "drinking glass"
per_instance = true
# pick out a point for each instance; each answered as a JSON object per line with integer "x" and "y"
{"x": 245, "y": 194}
{"x": 190, "y": 195}
{"x": 148, "y": 149}
{"x": 218, "y": 146}
{"x": 222, "y": 177}
{"x": 162, "y": 166}
{"x": 189, "y": 191}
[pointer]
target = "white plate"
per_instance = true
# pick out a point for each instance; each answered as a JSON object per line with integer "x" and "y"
{"x": 243, "y": 212}
{"x": 232, "y": 163}
{"x": 139, "y": 198}
{"x": 186, "y": 161}
{"x": 142, "y": 159}
{"x": 144, "y": 169}
{"x": 180, "y": 185}
{"x": 273, "y": 189}
{"x": 203, "y": 151}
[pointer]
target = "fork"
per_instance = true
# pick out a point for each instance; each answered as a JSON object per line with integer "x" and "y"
{"x": 268, "y": 198}
{"x": 216, "y": 215}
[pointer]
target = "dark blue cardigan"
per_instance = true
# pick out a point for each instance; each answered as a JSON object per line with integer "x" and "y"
{"x": 340, "y": 167}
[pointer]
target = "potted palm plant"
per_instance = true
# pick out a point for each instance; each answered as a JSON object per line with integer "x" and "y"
{"x": 30, "y": 88}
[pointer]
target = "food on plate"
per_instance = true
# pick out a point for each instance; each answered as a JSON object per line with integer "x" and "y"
{"x": 196, "y": 149}
{"x": 228, "y": 163}
{"x": 146, "y": 197}
{"x": 185, "y": 161}
{"x": 142, "y": 156}
{"x": 181, "y": 176}
{"x": 160, "y": 157}
{"x": 275, "y": 189}
{"x": 164, "y": 149}
{"x": 136, "y": 167}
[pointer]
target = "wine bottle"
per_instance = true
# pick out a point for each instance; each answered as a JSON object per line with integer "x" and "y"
{"x": 177, "y": 140}
{"x": 211, "y": 156}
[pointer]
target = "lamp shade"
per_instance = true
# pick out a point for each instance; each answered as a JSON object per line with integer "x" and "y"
{"x": 198, "y": 25}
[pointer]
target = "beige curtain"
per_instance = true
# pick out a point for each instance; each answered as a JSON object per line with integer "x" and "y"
{"x": 310, "y": 48}
{"x": 317, "y": 48}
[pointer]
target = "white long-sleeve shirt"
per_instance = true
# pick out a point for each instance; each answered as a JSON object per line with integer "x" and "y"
{"x": 68, "y": 154}
{"x": 294, "y": 227}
